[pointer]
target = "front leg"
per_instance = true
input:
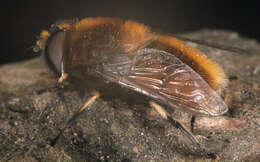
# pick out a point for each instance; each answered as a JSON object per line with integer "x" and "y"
{"x": 74, "y": 117}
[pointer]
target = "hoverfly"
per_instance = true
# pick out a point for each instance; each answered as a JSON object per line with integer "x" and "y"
{"x": 132, "y": 55}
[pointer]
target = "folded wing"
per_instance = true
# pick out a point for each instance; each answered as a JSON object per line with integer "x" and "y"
{"x": 164, "y": 77}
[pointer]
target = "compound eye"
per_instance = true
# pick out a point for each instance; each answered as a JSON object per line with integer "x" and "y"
{"x": 55, "y": 51}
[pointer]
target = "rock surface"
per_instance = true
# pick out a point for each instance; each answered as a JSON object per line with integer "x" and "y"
{"x": 122, "y": 127}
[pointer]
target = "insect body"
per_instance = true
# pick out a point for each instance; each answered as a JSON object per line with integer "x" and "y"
{"x": 132, "y": 55}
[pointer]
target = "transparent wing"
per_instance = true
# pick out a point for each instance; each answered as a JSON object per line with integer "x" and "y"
{"x": 164, "y": 77}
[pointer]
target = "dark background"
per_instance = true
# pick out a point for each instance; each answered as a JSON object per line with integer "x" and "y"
{"x": 22, "y": 21}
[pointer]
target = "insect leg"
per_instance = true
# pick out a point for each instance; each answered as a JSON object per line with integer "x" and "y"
{"x": 180, "y": 126}
{"x": 63, "y": 77}
{"x": 192, "y": 123}
{"x": 68, "y": 124}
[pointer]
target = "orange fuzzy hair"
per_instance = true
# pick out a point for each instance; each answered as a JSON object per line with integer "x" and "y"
{"x": 134, "y": 36}
{"x": 86, "y": 23}
{"x": 79, "y": 26}
{"x": 209, "y": 70}
{"x": 42, "y": 40}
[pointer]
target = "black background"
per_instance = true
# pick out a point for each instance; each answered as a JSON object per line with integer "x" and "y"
{"x": 22, "y": 21}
